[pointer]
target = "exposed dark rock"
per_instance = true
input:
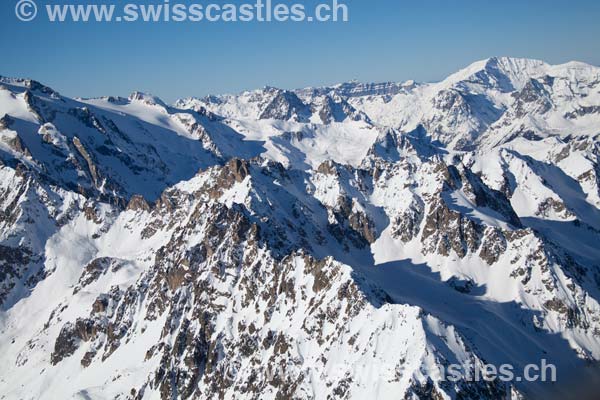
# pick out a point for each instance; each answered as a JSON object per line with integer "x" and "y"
{"x": 239, "y": 169}
{"x": 88, "y": 159}
{"x": 138, "y": 203}
{"x": 6, "y": 122}
{"x": 286, "y": 106}
{"x": 66, "y": 344}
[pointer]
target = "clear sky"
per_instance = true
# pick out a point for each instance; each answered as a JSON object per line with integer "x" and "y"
{"x": 385, "y": 40}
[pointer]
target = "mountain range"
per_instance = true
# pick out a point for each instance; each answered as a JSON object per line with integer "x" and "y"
{"x": 338, "y": 242}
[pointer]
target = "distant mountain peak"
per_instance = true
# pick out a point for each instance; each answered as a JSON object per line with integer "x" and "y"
{"x": 146, "y": 98}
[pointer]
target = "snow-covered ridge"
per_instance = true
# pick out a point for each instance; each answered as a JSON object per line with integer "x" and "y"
{"x": 458, "y": 111}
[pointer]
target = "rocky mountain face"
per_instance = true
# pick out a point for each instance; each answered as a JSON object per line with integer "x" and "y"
{"x": 341, "y": 242}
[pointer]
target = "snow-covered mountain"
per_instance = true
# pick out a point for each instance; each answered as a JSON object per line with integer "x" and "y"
{"x": 342, "y": 242}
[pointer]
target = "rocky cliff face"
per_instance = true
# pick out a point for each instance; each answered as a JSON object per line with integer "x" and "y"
{"x": 338, "y": 242}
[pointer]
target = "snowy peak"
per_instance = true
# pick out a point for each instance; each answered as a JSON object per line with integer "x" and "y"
{"x": 503, "y": 73}
{"x": 284, "y": 105}
{"x": 512, "y": 74}
{"x": 497, "y": 97}
{"x": 29, "y": 84}
{"x": 147, "y": 99}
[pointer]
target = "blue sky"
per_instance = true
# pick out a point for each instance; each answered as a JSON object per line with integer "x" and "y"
{"x": 385, "y": 40}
